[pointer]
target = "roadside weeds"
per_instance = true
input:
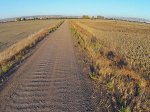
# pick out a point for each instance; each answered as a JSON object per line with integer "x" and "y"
{"x": 123, "y": 89}
{"x": 16, "y": 54}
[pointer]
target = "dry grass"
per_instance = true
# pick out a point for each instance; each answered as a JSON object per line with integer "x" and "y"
{"x": 127, "y": 90}
{"x": 16, "y": 52}
{"x": 13, "y": 32}
{"x": 128, "y": 39}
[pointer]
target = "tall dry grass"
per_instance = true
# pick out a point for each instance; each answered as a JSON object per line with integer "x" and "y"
{"x": 17, "y": 51}
{"x": 125, "y": 90}
{"x": 129, "y": 39}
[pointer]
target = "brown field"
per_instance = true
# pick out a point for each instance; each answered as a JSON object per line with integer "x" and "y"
{"x": 13, "y": 32}
{"x": 16, "y": 52}
{"x": 116, "y": 56}
{"x": 128, "y": 39}
{"x": 119, "y": 55}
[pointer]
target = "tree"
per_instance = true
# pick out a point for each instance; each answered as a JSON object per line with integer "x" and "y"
{"x": 23, "y": 19}
{"x": 100, "y": 17}
{"x": 36, "y": 18}
{"x": 93, "y": 17}
{"x": 85, "y": 17}
{"x": 18, "y": 19}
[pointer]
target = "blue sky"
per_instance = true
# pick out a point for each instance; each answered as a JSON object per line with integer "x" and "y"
{"x": 120, "y": 8}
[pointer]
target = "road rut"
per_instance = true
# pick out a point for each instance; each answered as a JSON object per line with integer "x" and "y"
{"x": 49, "y": 81}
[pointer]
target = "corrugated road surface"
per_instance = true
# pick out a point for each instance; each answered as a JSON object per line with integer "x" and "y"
{"x": 49, "y": 81}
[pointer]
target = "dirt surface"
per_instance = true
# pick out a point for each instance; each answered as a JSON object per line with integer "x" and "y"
{"x": 49, "y": 81}
{"x": 12, "y": 32}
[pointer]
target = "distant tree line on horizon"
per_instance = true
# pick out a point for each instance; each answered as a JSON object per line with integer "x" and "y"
{"x": 46, "y": 18}
{"x": 26, "y": 19}
{"x": 93, "y": 17}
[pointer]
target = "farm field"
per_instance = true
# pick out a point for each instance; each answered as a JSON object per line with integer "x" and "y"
{"x": 129, "y": 40}
{"x": 13, "y": 32}
{"x": 118, "y": 55}
{"x": 75, "y": 56}
{"x": 49, "y": 79}
{"x": 114, "y": 54}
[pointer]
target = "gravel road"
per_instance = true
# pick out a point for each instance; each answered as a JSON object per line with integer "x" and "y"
{"x": 50, "y": 80}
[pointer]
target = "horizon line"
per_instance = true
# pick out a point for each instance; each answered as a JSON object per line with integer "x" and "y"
{"x": 76, "y": 16}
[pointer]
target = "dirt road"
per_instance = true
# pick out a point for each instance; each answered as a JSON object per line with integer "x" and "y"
{"x": 49, "y": 81}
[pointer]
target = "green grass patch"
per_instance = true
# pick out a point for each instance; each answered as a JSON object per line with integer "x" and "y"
{"x": 6, "y": 67}
{"x": 93, "y": 75}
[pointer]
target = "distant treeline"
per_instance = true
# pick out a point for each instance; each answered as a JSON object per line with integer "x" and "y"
{"x": 46, "y": 18}
{"x": 26, "y": 19}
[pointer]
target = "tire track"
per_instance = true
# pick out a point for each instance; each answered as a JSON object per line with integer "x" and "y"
{"x": 49, "y": 80}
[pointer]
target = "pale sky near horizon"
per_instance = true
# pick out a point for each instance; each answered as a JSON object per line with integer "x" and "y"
{"x": 111, "y": 8}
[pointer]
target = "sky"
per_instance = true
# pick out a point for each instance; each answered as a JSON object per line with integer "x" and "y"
{"x": 108, "y": 8}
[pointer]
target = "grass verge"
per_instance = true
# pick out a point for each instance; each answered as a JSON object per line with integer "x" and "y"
{"x": 15, "y": 54}
{"x": 125, "y": 89}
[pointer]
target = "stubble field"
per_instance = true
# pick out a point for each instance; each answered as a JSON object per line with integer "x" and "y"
{"x": 130, "y": 40}
{"x": 13, "y": 32}
{"x": 119, "y": 54}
